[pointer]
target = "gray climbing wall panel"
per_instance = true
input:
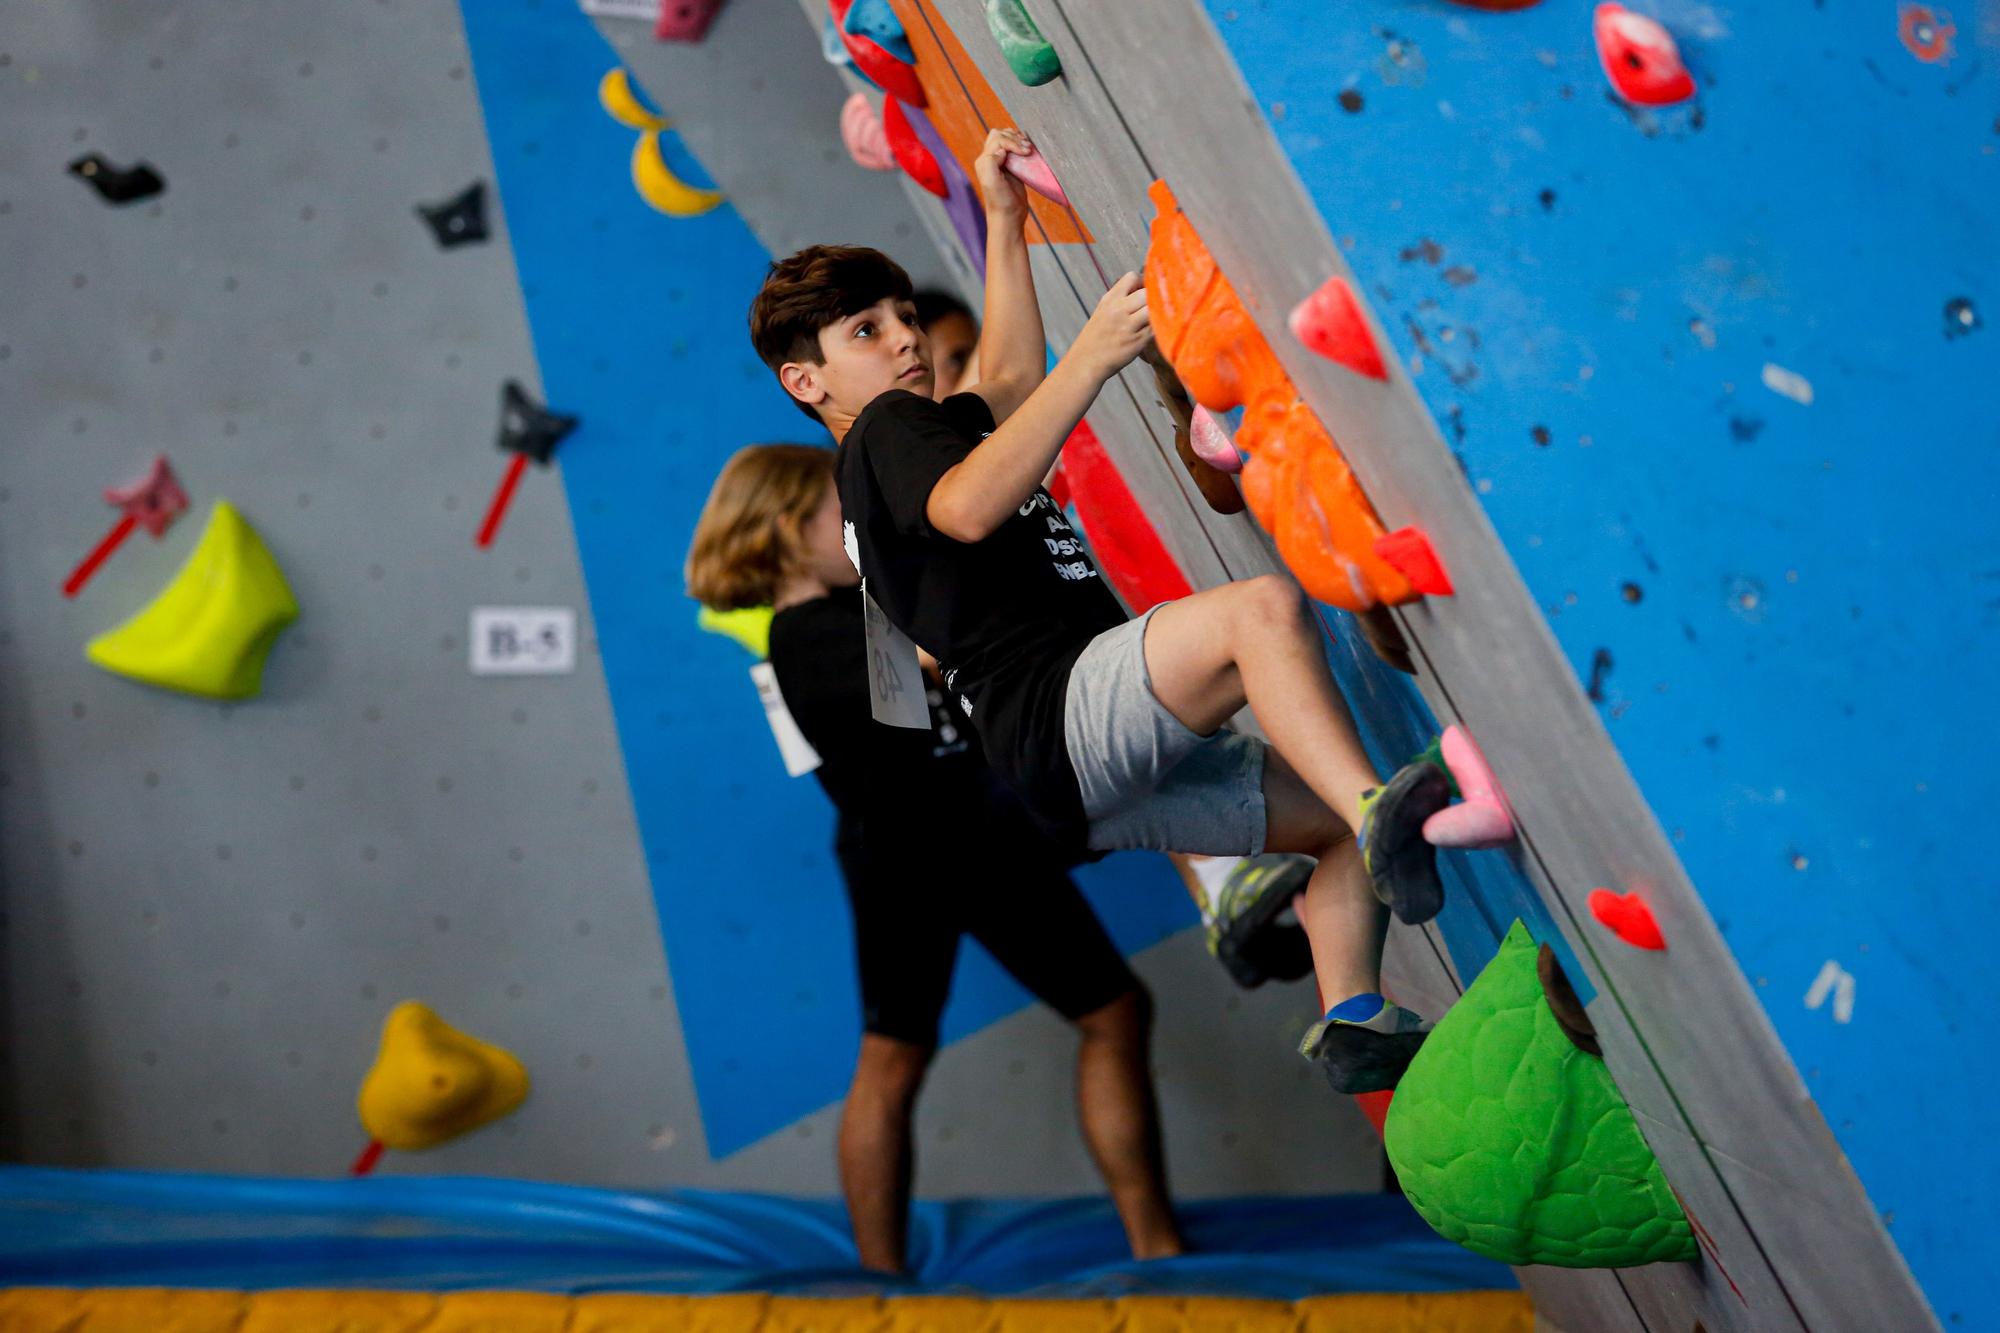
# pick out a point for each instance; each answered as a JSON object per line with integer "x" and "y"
{"x": 1150, "y": 91}
{"x": 209, "y": 909}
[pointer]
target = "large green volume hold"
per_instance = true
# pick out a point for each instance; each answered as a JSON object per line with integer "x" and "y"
{"x": 1026, "y": 51}
{"x": 1516, "y": 1144}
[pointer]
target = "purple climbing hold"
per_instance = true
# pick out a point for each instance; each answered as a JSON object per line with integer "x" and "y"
{"x": 961, "y": 202}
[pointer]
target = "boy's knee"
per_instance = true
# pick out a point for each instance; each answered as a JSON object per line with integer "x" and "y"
{"x": 1272, "y": 599}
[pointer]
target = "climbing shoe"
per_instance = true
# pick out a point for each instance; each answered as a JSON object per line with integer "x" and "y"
{"x": 1245, "y": 935}
{"x": 1365, "y": 1043}
{"x": 1402, "y": 867}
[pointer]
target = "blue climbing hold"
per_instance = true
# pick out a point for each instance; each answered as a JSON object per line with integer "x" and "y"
{"x": 876, "y": 21}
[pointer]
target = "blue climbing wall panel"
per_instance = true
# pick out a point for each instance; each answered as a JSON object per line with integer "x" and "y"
{"x": 1717, "y": 373}
{"x": 629, "y": 309}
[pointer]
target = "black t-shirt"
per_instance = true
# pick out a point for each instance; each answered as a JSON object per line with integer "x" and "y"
{"x": 1005, "y": 617}
{"x": 893, "y": 778}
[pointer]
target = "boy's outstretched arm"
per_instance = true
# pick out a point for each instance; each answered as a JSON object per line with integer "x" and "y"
{"x": 1012, "y": 347}
{"x": 975, "y": 496}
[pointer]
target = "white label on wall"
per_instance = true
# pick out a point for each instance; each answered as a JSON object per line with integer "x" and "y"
{"x": 622, "y": 9}
{"x": 523, "y": 640}
{"x": 799, "y": 756}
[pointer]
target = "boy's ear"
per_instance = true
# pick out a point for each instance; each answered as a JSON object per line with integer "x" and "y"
{"x": 801, "y": 381}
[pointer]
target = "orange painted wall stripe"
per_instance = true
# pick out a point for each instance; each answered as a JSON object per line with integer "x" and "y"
{"x": 963, "y": 107}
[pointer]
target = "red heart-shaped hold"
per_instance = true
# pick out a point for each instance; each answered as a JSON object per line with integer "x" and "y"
{"x": 1627, "y": 916}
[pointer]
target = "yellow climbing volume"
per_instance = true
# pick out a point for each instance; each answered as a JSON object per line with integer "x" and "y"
{"x": 432, "y": 1082}
{"x": 210, "y": 628}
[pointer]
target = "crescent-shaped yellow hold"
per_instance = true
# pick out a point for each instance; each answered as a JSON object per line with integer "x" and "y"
{"x": 661, "y": 188}
{"x": 615, "y": 95}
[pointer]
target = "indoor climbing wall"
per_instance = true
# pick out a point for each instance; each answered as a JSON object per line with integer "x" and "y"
{"x": 211, "y": 907}
{"x": 1630, "y": 367}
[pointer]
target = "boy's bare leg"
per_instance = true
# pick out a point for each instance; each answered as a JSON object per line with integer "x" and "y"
{"x": 1255, "y": 642}
{"x": 1121, "y": 1121}
{"x": 876, "y": 1159}
{"x": 1343, "y": 919}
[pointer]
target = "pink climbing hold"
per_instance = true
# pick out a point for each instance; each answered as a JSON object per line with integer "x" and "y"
{"x": 1408, "y": 551}
{"x": 1483, "y": 818}
{"x": 909, "y": 151}
{"x": 153, "y": 500}
{"x": 1032, "y": 170}
{"x": 685, "y": 20}
{"x": 1640, "y": 57}
{"x": 1212, "y": 442}
{"x": 1627, "y": 916}
{"x": 861, "y": 130}
{"x": 1330, "y": 323}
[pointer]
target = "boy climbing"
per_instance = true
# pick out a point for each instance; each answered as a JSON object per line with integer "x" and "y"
{"x": 1113, "y": 732}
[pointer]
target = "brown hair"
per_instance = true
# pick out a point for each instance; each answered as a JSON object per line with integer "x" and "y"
{"x": 749, "y": 535}
{"x": 805, "y": 292}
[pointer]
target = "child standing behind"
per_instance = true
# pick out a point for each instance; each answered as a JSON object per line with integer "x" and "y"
{"x": 931, "y": 849}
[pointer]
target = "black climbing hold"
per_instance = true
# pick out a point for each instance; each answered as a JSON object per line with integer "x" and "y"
{"x": 118, "y": 185}
{"x": 526, "y": 427}
{"x": 1632, "y": 593}
{"x": 1540, "y": 435}
{"x": 459, "y": 220}
{"x": 1959, "y": 317}
{"x": 1548, "y": 199}
{"x": 1350, "y": 100}
{"x": 1563, "y": 1003}
{"x": 1600, "y": 670}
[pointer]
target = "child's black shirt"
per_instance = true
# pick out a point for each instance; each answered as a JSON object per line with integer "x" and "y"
{"x": 1006, "y": 617}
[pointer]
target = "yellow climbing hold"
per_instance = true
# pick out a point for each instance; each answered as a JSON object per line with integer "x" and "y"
{"x": 209, "y": 630}
{"x": 432, "y": 1082}
{"x": 750, "y": 626}
{"x": 651, "y": 177}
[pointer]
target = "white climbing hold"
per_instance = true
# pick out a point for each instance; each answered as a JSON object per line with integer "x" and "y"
{"x": 1837, "y": 981}
{"x": 1788, "y": 384}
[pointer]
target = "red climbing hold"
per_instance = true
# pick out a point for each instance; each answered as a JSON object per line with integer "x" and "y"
{"x": 685, "y": 20}
{"x": 909, "y": 151}
{"x": 1627, "y": 916}
{"x": 889, "y": 74}
{"x": 1640, "y": 57}
{"x": 1925, "y": 33}
{"x": 1409, "y": 552}
{"x": 1129, "y": 550}
{"x": 1330, "y": 323}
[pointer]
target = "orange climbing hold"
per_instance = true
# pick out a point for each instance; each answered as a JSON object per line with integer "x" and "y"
{"x": 909, "y": 150}
{"x": 1409, "y": 550}
{"x": 1295, "y": 479}
{"x": 1330, "y": 323}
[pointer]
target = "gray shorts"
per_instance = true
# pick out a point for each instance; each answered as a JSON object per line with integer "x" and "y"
{"x": 1147, "y": 780}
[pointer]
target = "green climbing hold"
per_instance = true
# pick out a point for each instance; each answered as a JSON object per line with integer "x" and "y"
{"x": 1517, "y": 1145}
{"x": 1434, "y": 754}
{"x": 1026, "y": 51}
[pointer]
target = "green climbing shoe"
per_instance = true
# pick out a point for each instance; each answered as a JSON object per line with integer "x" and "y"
{"x": 1244, "y": 934}
{"x": 1402, "y": 867}
{"x": 1365, "y": 1043}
